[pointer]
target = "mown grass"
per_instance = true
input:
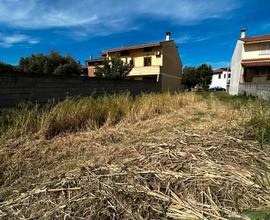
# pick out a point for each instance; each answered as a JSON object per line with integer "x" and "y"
{"x": 74, "y": 114}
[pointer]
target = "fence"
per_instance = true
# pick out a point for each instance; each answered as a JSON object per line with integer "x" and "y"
{"x": 20, "y": 87}
{"x": 260, "y": 90}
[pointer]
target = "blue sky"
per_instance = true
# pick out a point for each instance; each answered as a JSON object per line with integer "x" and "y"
{"x": 204, "y": 30}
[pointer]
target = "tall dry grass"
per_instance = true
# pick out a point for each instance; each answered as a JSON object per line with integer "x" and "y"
{"x": 254, "y": 114}
{"x": 74, "y": 114}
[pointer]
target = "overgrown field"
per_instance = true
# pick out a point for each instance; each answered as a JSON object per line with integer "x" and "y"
{"x": 156, "y": 156}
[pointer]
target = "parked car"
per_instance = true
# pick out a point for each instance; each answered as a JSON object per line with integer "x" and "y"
{"x": 217, "y": 89}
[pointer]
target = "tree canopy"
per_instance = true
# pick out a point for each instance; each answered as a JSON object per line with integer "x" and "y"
{"x": 113, "y": 69}
{"x": 201, "y": 76}
{"x": 4, "y": 67}
{"x": 53, "y": 63}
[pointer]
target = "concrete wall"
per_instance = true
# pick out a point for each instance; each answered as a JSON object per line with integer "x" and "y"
{"x": 19, "y": 87}
{"x": 171, "y": 71}
{"x": 236, "y": 68}
{"x": 260, "y": 90}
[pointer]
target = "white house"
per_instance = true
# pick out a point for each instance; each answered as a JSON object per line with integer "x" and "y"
{"x": 250, "y": 66}
{"x": 221, "y": 78}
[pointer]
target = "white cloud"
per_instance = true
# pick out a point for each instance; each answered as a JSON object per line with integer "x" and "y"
{"x": 10, "y": 40}
{"x": 191, "y": 39}
{"x": 107, "y": 15}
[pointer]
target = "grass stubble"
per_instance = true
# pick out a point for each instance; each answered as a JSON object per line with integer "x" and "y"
{"x": 155, "y": 156}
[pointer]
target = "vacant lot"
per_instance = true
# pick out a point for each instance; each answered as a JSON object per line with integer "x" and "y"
{"x": 181, "y": 156}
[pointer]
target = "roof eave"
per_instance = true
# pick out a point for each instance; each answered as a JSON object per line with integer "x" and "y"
{"x": 135, "y": 47}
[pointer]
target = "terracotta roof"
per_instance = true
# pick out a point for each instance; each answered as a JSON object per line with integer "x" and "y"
{"x": 256, "y": 39}
{"x": 256, "y": 62}
{"x": 156, "y": 44}
{"x": 221, "y": 70}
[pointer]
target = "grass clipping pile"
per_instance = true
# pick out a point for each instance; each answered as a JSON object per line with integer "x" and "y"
{"x": 184, "y": 173}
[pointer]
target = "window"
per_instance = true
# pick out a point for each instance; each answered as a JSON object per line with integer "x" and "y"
{"x": 147, "y": 61}
{"x": 229, "y": 75}
{"x": 225, "y": 76}
{"x": 219, "y": 76}
{"x": 125, "y": 53}
{"x": 147, "y": 49}
{"x": 265, "y": 49}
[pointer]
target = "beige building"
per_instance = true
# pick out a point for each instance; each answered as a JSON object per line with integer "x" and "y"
{"x": 159, "y": 61}
{"x": 250, "y": 66}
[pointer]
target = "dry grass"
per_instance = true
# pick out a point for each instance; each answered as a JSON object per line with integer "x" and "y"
{"x": 179, "y": 156}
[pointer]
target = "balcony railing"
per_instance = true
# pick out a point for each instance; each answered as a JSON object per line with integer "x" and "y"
{"x": 145, "y": 70}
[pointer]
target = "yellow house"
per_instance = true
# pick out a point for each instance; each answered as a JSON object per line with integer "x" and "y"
{"x": 250, "y": 66}
{"x": 159, "y": 61}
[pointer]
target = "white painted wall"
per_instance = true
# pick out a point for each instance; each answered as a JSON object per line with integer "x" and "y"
{"x": 236, "y": 68}
{"x": 220, "y": 82}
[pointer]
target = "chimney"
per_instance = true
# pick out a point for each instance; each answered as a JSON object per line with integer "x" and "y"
{"x": 91, "y": 57}
{"x": 243, "y": 33}
{"x": 168, "y": 36}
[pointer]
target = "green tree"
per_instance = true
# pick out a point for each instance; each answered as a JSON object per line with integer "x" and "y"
{"x": 205, "y": 73}
{"x": 52, "y": 63}
{"x": 104, "y": 70}
{"x": 4, "y": 67}
{"x": 54, "y": 59}
{"x": 189, "y": 78}
{"x": 193, "y": 76}
{"x": 113, "y": 69}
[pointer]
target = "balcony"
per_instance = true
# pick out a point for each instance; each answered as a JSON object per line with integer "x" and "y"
{"x": 145, "y": 71}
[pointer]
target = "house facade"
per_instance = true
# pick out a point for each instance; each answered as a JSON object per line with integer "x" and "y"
{"x": 221, "y": 78}
{"x": 158, "y": 61}
{"x": 250, "y": 66}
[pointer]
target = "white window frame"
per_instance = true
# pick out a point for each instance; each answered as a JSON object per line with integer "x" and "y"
{"x": 265, "y": 49}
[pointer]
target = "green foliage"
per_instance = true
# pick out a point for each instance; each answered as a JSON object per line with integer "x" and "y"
{"x": 53, "y": 63}
{"x": 259, "y": 121}
{"x": 113, "y": 69}
{"x": 254, "y": 215}
{"x": 189, "y": 78}
{"x": 4, "y": 67}
{"x": 201, "y": 76}
{"x": 205, "y": 73}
